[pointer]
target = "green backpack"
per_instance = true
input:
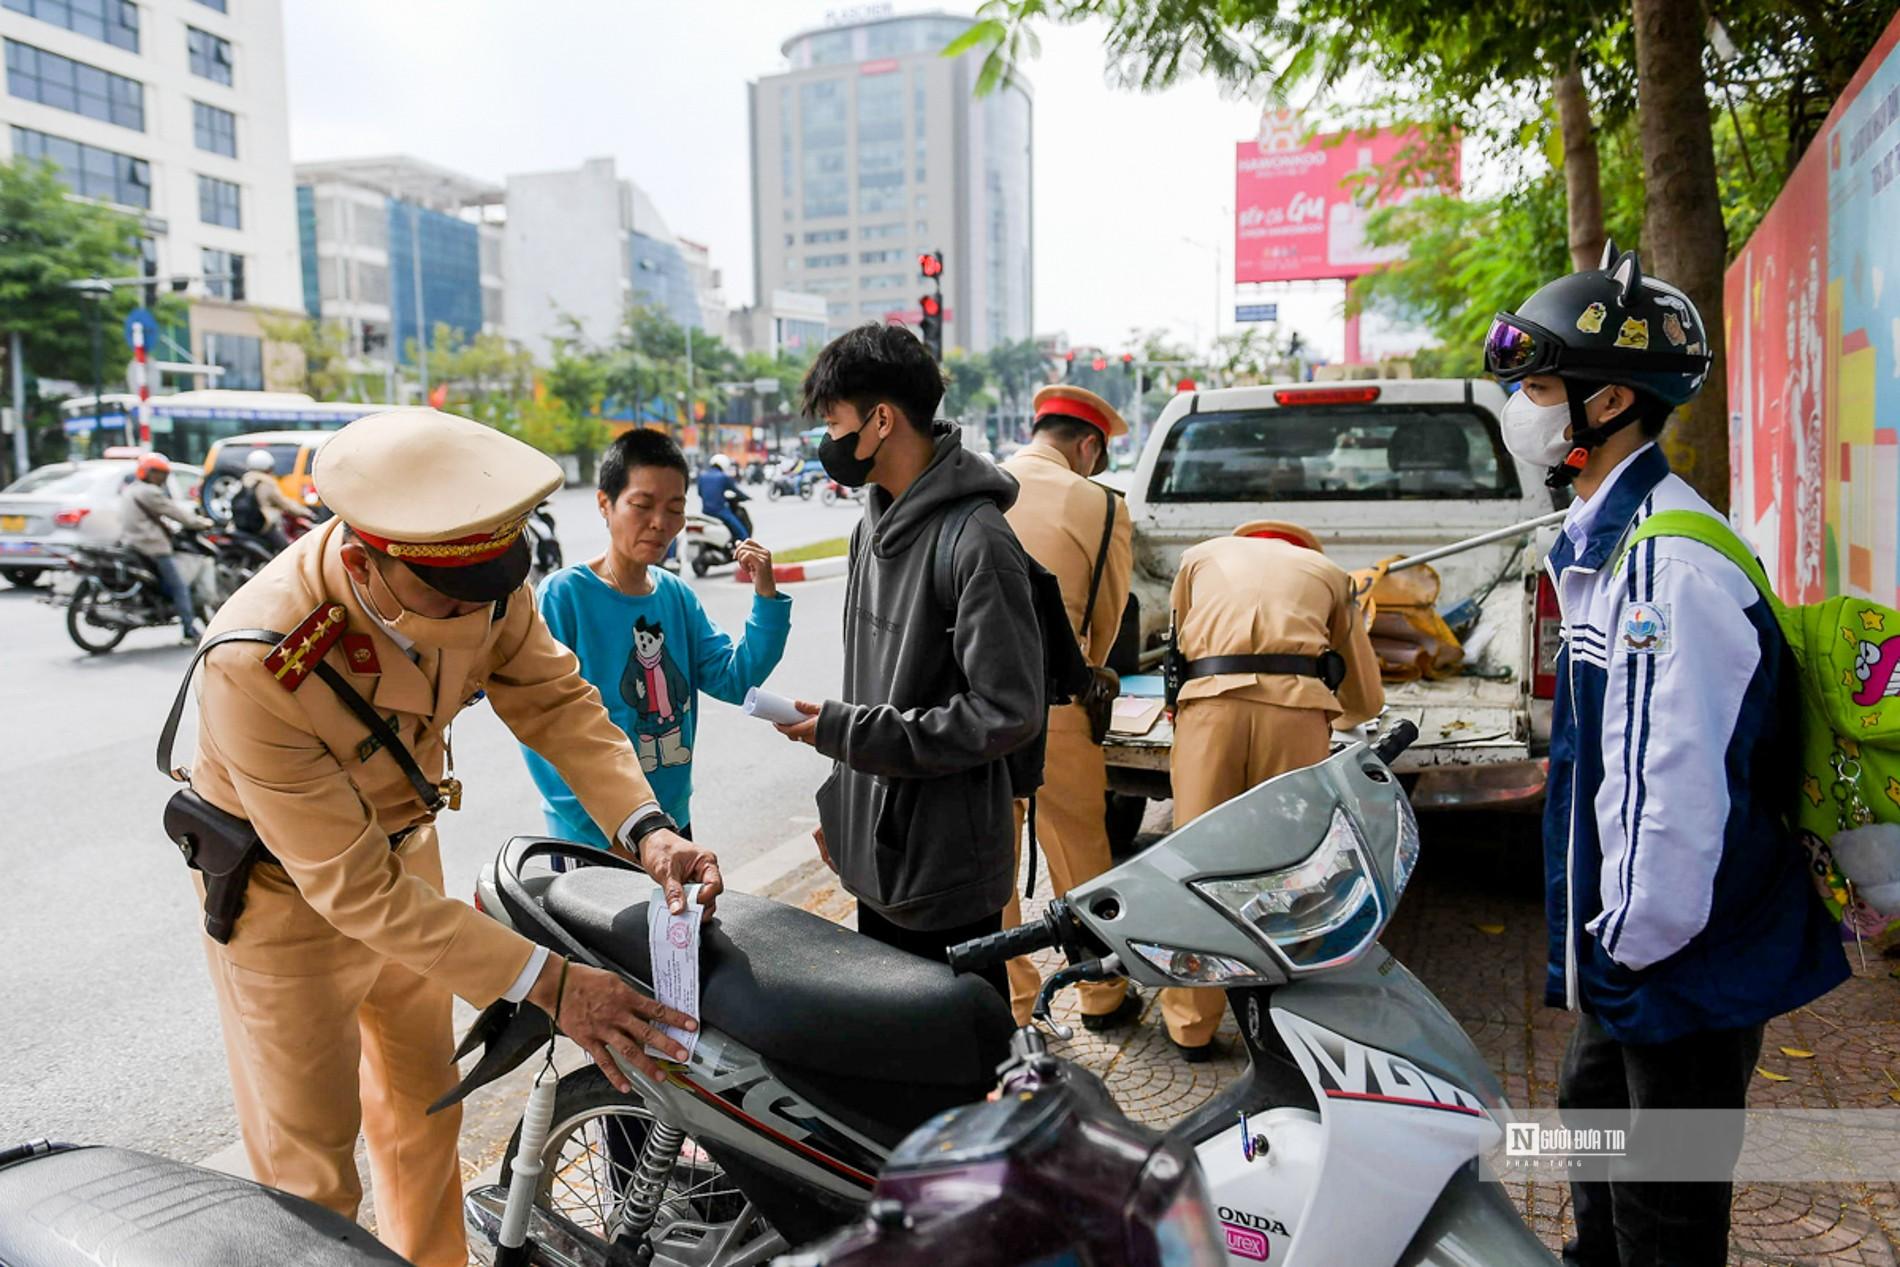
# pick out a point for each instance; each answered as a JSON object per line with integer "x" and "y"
{"x": 1850, "y": 711}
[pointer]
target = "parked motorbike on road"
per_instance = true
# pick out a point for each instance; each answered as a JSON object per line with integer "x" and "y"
{"x": 707, "y": 541}
{"x": 67, "y": 1206}
{"x": 544, "y": 543}
{"x": 118, "y": 589}
{"x": 1353, "y": 1138}
{"x": 831, "y": 492}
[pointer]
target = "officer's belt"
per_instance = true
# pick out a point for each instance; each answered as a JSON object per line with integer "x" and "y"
{"x": 1328, "y": 666}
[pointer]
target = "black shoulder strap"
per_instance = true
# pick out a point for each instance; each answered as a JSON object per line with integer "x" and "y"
{"x": 1101, "y": 564}
{"x": 943, "y": 565}
{"x": 380, "y": 730}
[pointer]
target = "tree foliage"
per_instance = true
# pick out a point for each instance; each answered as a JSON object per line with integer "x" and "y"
{"x": 48, "y": 239}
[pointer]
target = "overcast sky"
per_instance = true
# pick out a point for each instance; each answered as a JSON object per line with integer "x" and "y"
{"x": 490, "y": 87}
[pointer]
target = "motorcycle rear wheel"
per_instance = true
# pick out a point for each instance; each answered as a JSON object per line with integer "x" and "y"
{"x": 89, "y": 635}
{"x": 702, "y": 561}
{"x": 583, "y": 1183}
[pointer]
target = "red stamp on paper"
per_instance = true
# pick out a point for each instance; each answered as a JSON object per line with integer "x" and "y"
{"x": 679, "y": 934}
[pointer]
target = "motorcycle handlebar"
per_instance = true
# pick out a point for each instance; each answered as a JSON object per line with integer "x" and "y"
{"x": 981, "y": 952}
{"x": 1390, "y": 746}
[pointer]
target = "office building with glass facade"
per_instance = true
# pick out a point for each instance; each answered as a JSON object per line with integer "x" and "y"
{"x": 393, "y": 247}
{"x": 870, "y": 150}
{"x": 174, "y": 111}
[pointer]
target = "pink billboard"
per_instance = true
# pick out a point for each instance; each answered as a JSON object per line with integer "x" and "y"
{"x": 1299, "y": 204}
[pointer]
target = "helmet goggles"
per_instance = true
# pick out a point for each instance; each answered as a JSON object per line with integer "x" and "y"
{"x": 1517, "y": 348}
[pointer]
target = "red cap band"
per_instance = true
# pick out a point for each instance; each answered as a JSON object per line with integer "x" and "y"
{"x": 1072, "y": 408}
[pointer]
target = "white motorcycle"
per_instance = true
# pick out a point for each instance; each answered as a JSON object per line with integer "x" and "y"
{"x": 1354, "y": 1138}
{"x": 1355, "y": 1135}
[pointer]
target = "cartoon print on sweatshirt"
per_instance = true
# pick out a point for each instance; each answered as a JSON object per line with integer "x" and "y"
{"x": 658, "y": 692}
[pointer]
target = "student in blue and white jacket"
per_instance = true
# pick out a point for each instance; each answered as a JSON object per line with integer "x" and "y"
{"x": 1681, "y": 913}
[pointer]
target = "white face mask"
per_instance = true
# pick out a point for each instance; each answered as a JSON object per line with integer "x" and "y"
{"x": 442, "y": 633}
{"x": 1535, "y": 433}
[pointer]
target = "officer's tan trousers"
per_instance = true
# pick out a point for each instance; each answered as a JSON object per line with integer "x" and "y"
{"x": 1072, "y": 832}
{"x": 1222, "y": 747}
{"x": 325, "y": 1037}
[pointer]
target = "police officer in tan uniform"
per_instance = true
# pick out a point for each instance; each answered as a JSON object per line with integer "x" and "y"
{"x": 334, "y": 989}
{"x": 1265, "y": 591}
{"x": 1075, "y": 528}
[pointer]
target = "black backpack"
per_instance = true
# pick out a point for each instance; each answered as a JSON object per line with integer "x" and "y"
{"x": 246, "y": 514}
{"x": 1066, "y": 674}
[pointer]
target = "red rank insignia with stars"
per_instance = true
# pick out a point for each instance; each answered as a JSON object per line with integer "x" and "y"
{"x": 293, "y": 659}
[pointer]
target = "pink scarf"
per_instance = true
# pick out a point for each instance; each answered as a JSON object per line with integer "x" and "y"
{"x": 662, "y": 706}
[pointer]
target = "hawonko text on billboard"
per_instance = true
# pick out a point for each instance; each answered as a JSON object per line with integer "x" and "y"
{"x": 1813, "y": 315}
{"x": 1300, "y": 205}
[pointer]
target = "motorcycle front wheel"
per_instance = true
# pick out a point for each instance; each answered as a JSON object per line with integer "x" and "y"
{"x": 773, "y": 492}
{"x": 89, "y": 633}
{"x": 587, "y": 1169}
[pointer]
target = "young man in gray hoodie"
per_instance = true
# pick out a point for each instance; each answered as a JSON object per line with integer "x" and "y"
{"x": 916, "y": 817}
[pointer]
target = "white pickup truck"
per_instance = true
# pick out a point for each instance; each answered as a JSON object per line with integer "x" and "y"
{"x": 1375, "y": 470}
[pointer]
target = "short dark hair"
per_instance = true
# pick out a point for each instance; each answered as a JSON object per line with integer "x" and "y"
{"x": 872, "y": 365}
{"x": 1652, "y": 413}
{"x": 641, "y": 446}
{"x": 1067, "y": 429}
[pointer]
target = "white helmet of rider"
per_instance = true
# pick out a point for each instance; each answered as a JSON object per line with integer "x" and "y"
{"x": 260, "y": 460}
{"x": 723, "y": 462}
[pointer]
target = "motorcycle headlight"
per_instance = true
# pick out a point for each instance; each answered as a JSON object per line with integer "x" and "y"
{"x": 1406, "y": 856}
{"x": 1198, "y": 967}
{"x": 1320, "y": 912}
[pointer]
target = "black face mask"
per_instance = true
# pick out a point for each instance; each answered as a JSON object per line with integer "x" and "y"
{"x": 838, "y": 455}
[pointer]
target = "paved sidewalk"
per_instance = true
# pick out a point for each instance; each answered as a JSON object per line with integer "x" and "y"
{"x": 1472, "y": 928}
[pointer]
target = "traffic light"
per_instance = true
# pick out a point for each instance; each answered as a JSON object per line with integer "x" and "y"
{"x": 930, "y": 330}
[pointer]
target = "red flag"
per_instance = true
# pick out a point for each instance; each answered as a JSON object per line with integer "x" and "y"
{"x": 439, "y": 396}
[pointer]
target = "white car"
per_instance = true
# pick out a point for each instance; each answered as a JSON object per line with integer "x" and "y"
{"x": 54, "y": 507}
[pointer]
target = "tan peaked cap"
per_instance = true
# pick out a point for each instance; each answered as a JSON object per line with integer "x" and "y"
{"x": 422, "y": 477}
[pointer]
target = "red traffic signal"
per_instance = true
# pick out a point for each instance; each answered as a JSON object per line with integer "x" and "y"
{"x": 931, "y": 305}
{"x": 1128, "y": 358}
{"x": 931, "y": 264}
{"x": 1099, "y": 363}
{"x": 1069, "y": 356}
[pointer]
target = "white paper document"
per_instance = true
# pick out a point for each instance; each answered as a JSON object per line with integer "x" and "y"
{"x": 673, "y": 942}
{"x": 773, "y": 708}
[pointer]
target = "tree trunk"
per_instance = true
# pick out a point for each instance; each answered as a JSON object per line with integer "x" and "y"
{"x": 1583, "y": 181}
{"x": 1684, "y": 240}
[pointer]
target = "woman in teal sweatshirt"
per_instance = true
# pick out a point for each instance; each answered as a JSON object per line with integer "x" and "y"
{"x": 642, "y": 637}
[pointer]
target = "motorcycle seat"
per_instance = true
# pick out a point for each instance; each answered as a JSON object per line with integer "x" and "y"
{"x": 803, "y": 991}
{"x": 112, "y": 1205}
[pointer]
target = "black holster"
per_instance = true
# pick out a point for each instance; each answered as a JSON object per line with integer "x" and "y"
{"x": 222, "y": 848}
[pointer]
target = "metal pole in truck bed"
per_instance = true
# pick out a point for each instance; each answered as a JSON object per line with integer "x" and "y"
{"x": 1483, "y": 539}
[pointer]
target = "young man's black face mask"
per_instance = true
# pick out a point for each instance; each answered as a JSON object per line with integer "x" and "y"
{"x": 838, "y": 455}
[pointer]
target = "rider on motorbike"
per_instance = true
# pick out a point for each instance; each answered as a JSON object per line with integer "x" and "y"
{"x": 715, "y": 484}
{"x": 143, "y": 528}
{"x": 259, "y": 506}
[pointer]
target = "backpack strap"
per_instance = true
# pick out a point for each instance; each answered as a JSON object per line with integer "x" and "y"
{"x": 1711, "y": 532}
{"x": 1101, "y": 562}
{"x": 943, "y": 563}
{"x": 381, "y": 731}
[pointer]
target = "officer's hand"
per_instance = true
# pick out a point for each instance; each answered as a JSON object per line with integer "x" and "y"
{"x": 605, "y": 1015}
{"x": 805, "y": 732}
{"x": 674, "y": 862}
{"x": 757, "y": 560}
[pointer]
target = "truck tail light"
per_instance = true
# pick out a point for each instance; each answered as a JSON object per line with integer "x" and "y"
{"x": 1546, "y": 639}
{"x": 70, "y": 518}
{"x": 1326, "y": 396}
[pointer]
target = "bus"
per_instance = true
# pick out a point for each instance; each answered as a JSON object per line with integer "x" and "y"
{"x": 185, "y": 425}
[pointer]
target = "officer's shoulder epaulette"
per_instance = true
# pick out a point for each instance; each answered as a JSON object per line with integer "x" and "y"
{"x": 293, "y": 659}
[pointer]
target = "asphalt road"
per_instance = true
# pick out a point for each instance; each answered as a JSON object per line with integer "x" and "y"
{"x": 107, "y": 1021}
